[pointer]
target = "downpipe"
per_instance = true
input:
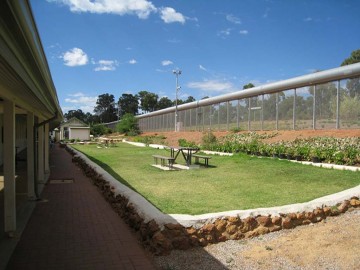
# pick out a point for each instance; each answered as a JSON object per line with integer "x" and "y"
{"x": 36, "y": 153}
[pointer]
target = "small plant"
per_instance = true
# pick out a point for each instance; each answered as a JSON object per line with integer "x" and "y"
{"x": 185, "y": 143}
{"x": 235, "y": 129}
{"x": 208, "y": 140}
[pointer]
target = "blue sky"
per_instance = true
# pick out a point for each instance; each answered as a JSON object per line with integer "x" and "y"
{"x": 126, "y": 46}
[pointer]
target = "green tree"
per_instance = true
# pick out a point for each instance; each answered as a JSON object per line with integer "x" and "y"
{"x": 79, "y": 114}
{"x": 164, "y": 103}
{"x": 91, "y": 118}
{"x": 128, "y": 103}
{"x": 352, "y": 85}
{"x": 105, "y": 108}
{"x": 354, "y": 58}
{"x": 99, "y": 129}
{"x": 190, "y": 99}
{"x": 128, "y": 125}
{"x": 247, "y": 86}
{"x": 148, "y": 101}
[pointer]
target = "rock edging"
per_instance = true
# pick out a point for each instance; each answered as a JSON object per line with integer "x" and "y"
{"x": 162, "y": 233}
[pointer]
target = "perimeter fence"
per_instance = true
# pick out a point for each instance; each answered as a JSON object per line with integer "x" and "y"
{"x": 323, "y": 100}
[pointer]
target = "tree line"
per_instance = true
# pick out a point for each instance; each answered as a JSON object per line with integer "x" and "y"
{"x": 107, "y": 110}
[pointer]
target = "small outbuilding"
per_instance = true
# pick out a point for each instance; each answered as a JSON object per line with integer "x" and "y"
{"x": 74, "y": 129}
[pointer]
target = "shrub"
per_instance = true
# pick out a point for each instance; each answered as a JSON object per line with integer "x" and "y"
{"x": 128, "y": 125}
{"x": 98, "y": 129}
{"x": 208, "y": 139}
{"x": 185, "y": 143}
{"x": 235, "y": 129}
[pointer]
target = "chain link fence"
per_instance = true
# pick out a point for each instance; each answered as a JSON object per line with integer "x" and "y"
{"x": 330, "y": 104}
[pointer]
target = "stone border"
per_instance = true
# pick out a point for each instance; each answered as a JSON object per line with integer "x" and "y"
{"x": 161, "y": 233}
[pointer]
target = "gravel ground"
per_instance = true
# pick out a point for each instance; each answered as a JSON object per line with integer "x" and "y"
{"x": 331, "y": 244}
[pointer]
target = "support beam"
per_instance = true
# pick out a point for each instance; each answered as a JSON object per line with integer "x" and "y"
{"x": 40, "y": 156}
{"x": 30, "y": 155}
{"x": 46, "y": 151}
{"x": 9, "y": 168}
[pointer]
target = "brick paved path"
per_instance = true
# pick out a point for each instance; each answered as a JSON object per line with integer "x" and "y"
{"x": 73, "y": 227}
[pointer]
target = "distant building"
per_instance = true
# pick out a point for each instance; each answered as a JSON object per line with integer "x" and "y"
{"x": 74, "y": 129}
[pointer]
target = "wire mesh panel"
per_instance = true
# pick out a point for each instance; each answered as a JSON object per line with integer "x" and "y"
{"x": 187, "y": 123}
{"x": 349, "y": 110}
{"x": 200, "y": 118}
{"x": 285, "y": 109}
{"x": 255, "y": 110}
{"x": 303, "y": 108}
{"x": 212, "y": 115}
{"x": 223, "y": 116}
{"x": 325, "y": 105}
{"x": 269, "y": 111}
{"x": 181, "y": 120}
{"x": 193, "y": 118}
{"x": 233, "y": 115}
{"x": 243, "y": 114}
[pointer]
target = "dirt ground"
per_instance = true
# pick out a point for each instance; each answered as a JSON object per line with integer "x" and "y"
{"x": 285, "y": 135}
{"x": 333, "y": 243}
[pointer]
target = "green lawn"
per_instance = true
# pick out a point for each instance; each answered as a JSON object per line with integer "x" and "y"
{"x": 232, "y": 183}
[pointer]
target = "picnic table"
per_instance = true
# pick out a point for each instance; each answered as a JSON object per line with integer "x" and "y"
{"x": 187, "y": 153}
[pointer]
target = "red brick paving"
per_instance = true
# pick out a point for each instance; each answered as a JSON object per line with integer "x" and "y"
{"x": 73, "y": 227}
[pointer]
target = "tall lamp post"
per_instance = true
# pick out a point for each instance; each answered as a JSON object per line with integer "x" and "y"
{"x": 177, "y": 72}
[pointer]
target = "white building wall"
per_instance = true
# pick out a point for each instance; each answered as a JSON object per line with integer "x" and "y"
{"x": 79, "y": 133}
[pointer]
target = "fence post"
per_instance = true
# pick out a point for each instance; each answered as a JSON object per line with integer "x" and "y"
{"x": 262, "y": 112}
{"x": 294, "y": 110}
{"x": 227, "y": 116}
{"x": 338, "y": 105}
{"x": 277, "y": 110}
{"x": 314, "y": 108}
{"x": 249, "y": 114}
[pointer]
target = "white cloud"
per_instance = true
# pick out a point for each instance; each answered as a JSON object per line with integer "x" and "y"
{"x": 233, "y": 19}
{"x": 80, "y": 101}
{"x": 266, "y": 14}
{"x": 106, "y": 65}
{"x": 141, "y": 8}
{"x": 225, "y": 33}
{"x": 78, "y": 94}
{"x": 202, "y": 67}
{"x": 211, "y": 85}
{"x": 75, "y": 57}
{"x": 166, "y": 63}
{"x": 174, "y": 40}
{"x": 308, "y": 19}
{"x": 132, "y": 62}
{"x": 244, "y": 32}
{"x": 169, "y": 15}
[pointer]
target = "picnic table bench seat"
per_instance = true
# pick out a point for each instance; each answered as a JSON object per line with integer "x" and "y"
{"x": 170, "y": 160}
{"x": 206, "y": 159}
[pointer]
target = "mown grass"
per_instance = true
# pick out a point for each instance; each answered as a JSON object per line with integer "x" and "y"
{"x": 231, "y": 183}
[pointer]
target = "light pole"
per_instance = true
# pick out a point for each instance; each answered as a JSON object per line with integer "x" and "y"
{"x": 177, "y": 72}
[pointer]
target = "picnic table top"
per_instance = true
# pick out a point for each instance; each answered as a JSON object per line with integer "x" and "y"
{"x": 183, "y": 147}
